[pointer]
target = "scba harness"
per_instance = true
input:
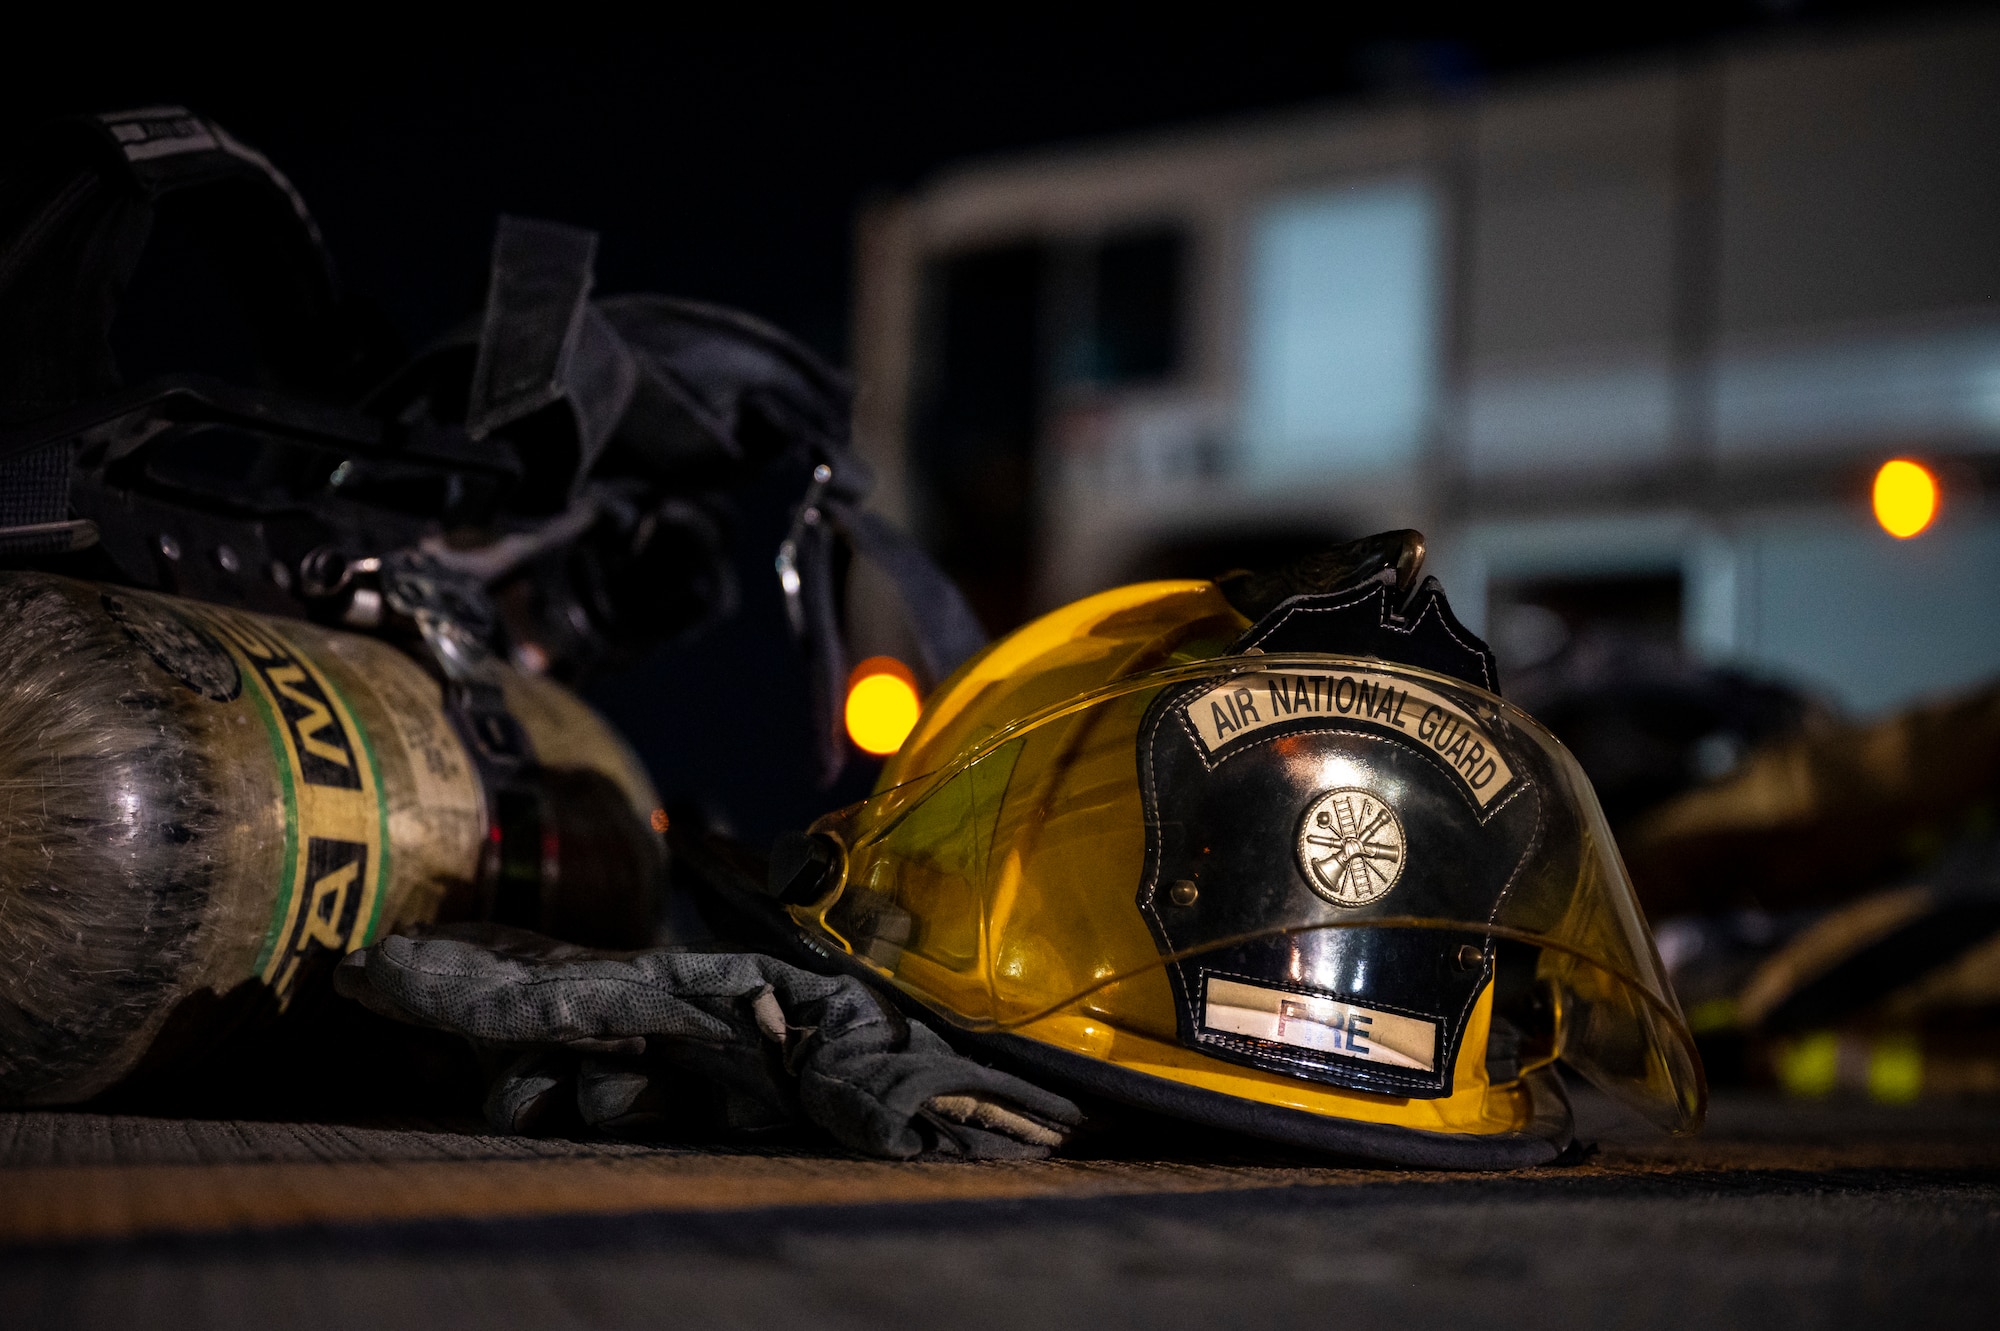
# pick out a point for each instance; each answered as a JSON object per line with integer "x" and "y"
{"x": 549, "y": 479}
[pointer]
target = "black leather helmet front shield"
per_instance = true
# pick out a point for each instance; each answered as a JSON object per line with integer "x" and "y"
{"x": 1289, "y": 809}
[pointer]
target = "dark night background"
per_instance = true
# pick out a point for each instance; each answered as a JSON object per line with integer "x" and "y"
{"x": 728, "y": 164}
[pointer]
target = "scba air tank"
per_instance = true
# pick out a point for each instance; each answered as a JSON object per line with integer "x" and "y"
{"x": 199, "y": 804}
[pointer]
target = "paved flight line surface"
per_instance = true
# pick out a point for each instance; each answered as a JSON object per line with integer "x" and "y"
{"x": 1781, "y": 1216}
{"x": 84, "y": 1178}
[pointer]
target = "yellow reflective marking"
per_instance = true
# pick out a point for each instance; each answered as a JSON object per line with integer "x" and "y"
{"x": 1810, "y": 1065}
{"x": 1896, "y": 1069}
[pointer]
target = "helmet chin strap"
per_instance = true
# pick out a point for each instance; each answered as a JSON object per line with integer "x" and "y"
{"x": 946, "y": 631}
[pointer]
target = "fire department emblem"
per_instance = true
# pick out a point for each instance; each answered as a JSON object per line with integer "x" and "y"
{"x": 1351, "y": 847}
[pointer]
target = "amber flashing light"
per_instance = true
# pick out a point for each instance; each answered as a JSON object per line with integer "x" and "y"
{"x": 882, "y": 705}
{"x": 1906, "y": 498}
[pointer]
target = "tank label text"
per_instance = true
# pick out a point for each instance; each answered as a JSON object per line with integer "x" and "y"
{"x": 335, "y": 872}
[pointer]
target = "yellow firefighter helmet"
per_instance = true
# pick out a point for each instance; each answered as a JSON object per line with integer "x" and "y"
{"x": 1269, "y": 853}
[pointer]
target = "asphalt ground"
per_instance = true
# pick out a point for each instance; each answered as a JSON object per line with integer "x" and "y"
{"x": 1781, "y": 1214}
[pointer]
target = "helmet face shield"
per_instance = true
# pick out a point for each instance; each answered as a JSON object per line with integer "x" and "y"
{"x": 1337, "y": 884}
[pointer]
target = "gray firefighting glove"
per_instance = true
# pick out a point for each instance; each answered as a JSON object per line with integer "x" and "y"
{"x": 673, "y": 1041}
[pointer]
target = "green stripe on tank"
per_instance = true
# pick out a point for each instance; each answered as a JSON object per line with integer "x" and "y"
{"x": 287, "y": 874}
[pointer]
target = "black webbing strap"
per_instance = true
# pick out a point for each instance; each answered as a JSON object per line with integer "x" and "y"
{"x": 78, "y": 199}
{"x": 77, "y": 205}
{"x": 543, "y": 341}
{"x": 34, "y": 502}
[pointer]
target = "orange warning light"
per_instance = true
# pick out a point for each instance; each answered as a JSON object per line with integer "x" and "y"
{"x": 1906, "y": 497}
{"x": 882, "y": 705}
